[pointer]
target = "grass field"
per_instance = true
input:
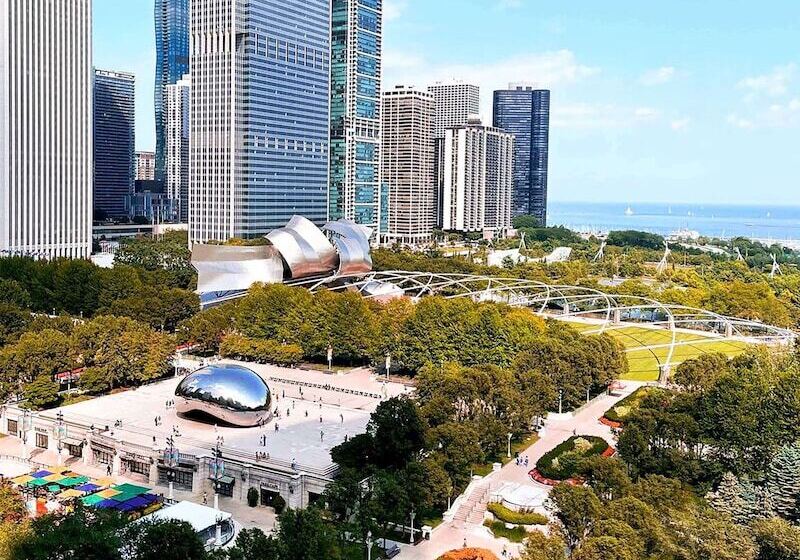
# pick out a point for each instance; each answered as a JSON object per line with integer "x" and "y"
{"x": 644, "y": 361}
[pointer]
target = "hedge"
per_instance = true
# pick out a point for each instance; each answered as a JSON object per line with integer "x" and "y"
{"x": 506, "y": 515}
{"x": 563, "y": 461}
{"x": 240, "y": 347}
{"x": 629, "y": 404}
{"x": 499, "y": 529}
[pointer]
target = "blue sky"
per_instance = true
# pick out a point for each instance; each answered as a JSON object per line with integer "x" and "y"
{"x": 669, "y": 100}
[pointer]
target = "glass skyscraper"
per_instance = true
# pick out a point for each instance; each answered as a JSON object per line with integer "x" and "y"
{"x": 525, "y": 112}
{"x": 172, "y": 62}
{"x": 114, "y": 142}
{"x": 259, "y": 116}
{"x": 355, "y": 127}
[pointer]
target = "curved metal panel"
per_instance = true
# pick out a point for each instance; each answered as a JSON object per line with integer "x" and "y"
{"x": 304, "y": 248}
{"x": 222, "y": 268}
{"x": 352, "y": 244}
{"x": 231, "y": 393}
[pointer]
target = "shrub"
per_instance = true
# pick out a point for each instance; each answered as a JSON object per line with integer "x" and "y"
{"x": 516, "y": 535}
{"x": 502, "y": 513}
{"x": 279, "y": 504}
{"x": 629, "y": 404}
{"x": 563, "y": 461}
{"x": 252, "y": 497}
{"x": 241, "y": 347}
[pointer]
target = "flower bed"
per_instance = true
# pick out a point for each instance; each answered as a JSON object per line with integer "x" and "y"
{"x": 469, "y": 554}
{"x": 562, "y": 462}
{"x": 615, "y": 416}
{"x": 506, "y": 515}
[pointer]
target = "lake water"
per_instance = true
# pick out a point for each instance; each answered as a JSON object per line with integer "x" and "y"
{"x": 779, "y": 223}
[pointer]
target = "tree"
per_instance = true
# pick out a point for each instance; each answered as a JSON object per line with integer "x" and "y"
{"x": 542, "y": 547}
{"x": 577, "y": 509}
{"x": 458, "y": 448}
{"x": 777, "y": 539}
{"x": 526, "y": 222}
{"x": 76, "y": 287}
{"x": 13, "y": 320}
{"x": 783, "y": 481}
{"x": 161, "y": 308}
{"x": 605, "y": 548}
{"x": 397, "y": 431}
{"x": 305, "y": 536}
{"x": 14, "y": 293}
{"x": 40, "y": 393}
{"x": 606, "y": 476}
{"x": 207, "y": 328}
{"x": 727, "y": 499}
{"x": 162, "y": 540}
{"x": 35, "y": 357}
{"x": 702, "y": 372}
{"x": 253, "y": 544}
{"x": 169, "y": 254}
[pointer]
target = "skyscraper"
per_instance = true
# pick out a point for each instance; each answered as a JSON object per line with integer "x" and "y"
{"x": 525, "y": 112}
{"x": 145, "y": 166}
{"x": 172, "y": 62}
{"x": 259, "y": 115}
{"x": 46, "y": 128}
{"x": 177, "y": 117}
{"x": 114, "y": 142}
{"x": 478, "y": 163}
{"x": 407, "y": 170}
{"x": 355, "y": 111}
{"x": 455, "y": 102}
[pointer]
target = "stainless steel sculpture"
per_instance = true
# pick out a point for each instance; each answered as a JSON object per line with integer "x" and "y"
{"x": 305, "y": 248}
{"x": 230, "y": 393}
{"x": 222, "y": 268}
{"x": 352, "y": 244}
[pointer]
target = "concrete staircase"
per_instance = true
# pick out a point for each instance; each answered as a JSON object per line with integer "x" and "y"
{"x": 472, "y": 510}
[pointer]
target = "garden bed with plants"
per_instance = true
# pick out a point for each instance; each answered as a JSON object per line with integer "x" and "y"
{"x": 615, "y": 416}
{"x": 563, "y": 461}
{"x": 502, "y": 513}
{"x": 499, "y": 530}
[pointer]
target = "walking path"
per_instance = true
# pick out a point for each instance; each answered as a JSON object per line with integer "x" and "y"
{"x": 467, "y": 523}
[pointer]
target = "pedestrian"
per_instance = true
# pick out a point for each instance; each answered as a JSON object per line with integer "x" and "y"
{"x": 574, "y": 431}
{"x": 205, "y": 498}
{"x": 465, "y": 542}
{"x": 526, "y": 461}
{"x": 341, "y": 417}
{"x": 306, "y": 414}
{"x": 108, "y": 470}
{"x": 505, "y": 551}
{"x": 321, "y": 435}
{"x": 516, "y": 460}
{"x": 320, "y": 419}
{"x": 276, "y": 427}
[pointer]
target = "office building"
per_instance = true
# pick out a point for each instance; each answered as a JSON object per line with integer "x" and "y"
{"x": 407, "y": 170}
{"x": 46, "y": 128}
{"x": 114, "y": 142}
{"x": 145, "y": 166}
{"x": 455, "y": 102}
{"x": 259, "y": 116}
{"x": 478, "y": 164}
{"x": 524, "y": 111}
{"x": 172, "y": 62}
{"x": 177, "y": 133}
{"x": 355, "y": 111}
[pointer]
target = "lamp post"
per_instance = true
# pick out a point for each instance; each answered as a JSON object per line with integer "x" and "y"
{"x": 588, "y": 397}
{"x": 25, "y": 417}
{"x": 218, "y": 467}
{"x": 370, "y": 542}
{"x": 330, "y": 357}
{"x": 60, "y": 435}
{"x": 560, "y": 400}
{"x": 509, "y": 435}
{"x": 388, "y": 364}
{"x": 413, "y": 515}
{"x": 171, "y": 463}
{"x": 218, "y": 542}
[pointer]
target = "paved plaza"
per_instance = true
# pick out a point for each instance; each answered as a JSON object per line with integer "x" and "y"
{"x": 314, "y": 413}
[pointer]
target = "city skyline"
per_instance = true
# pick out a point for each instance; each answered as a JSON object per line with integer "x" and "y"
{"x": 669, "y": 122}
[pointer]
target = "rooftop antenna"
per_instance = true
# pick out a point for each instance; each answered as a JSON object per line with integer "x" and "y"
{"x": 776, "y": 268}
{"x": 662, "y": 266}
{"x": 739, "y": 256}
{"x": 601, "y": 253}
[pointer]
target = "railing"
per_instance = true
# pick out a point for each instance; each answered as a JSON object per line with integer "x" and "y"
{"x": 327, "y": 387}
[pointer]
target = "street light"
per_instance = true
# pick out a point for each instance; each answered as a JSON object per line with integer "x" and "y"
{"x": 413, "y": 515}
{"x": 388, "y": 364}
{"x": 171, "y": 463}
{"x": 60, "y": 434}
{"x": 510, "y": 435}
{"x": 219, "y": 519}
{"x": 370, "y": 542}
{"x": 560, "y": 399}
{"x": 218, "y": 466}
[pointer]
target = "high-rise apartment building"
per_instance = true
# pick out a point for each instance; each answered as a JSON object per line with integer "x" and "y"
{"x": 172, "y": 62}
{"x": 259, "y": 115}
{"x": 455, "y": 102}
{"x": 407, "y": 170}
{"x": 524, "y": 111}
{"x": 46, "y": 128}
{"x": 478, "y": 164}
{"x": 355, "y": 111}
{"x": 176, "y": 106}
{"x": 114, "y": 142}
{"x": 145, "y": 166}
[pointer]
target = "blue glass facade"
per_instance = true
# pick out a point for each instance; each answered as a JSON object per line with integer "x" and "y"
{"x": 282, "y": 117}
{"x": 172, "y": 62}
{"x": 114, "y": 142}
{"x": 525, "y": 113}
{"x": 354, "y": 190}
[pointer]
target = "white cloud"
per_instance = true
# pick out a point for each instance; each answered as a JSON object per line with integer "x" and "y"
{"x": 680, "y": 124}
{"x": 774, "y": 84}
{"x": 739, "y": 122}
{"x": 658, "y": 76}
{"x": 393, "y": 9}
{"x": 646, "y": 113}
{"x": 776, "y": 115}
{"x": 509, "y": 4}
{"x": 400, "y": 60}
{"x": 601, "y": 116}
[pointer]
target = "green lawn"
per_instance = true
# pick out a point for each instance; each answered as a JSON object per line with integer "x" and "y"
{"x": 644, "y": 362}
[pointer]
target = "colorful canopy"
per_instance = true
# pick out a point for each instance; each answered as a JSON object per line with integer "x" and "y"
{"x": 104, "y": 504}
{"x": 73, "y": 481}
{"x": 92, "y": 500}
{"x": 88, "y": 487}
{"x": 54, "y": 478}
{"x": 104, "y": 482}
{"x": 131, "y": 489}
{"x": 37, "y": 482}
{"x": 54, "y": 488}
{"x": 58, "y": 469}
{"x": 41, "y": 474}
{"x": 138, "y": 502}
{"x": 24, "y": 479}
{"x": 68, "y": 494}
{"x": 108, "y": 493}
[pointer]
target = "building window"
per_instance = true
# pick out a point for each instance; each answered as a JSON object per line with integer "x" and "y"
{"x": 13, "y": 427}
{"x": 368, "y": 20}
{"x": 102, "y": 457}
{"x": 368, "y": 44}
{"x": 180, "y": 478}
{"x": 41, "y": 441}
{"x": 367, "y": 65}
{"x": 366, "y": 109}
{"x": 139, "y": 467}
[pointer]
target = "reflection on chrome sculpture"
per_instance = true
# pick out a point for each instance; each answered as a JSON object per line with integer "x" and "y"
{"x": 231, "y": 393}
{"x": 298, "y": 251}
